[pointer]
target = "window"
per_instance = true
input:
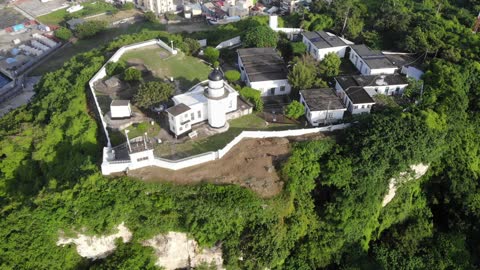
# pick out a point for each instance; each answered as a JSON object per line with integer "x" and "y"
{"x": 230, "y": 105}
{"x": 171, "y": 117}
{"x": 185, "y": 116}
{"x": 386, "y": 90}
{"x": 330, "y": 115}
{"x": 376, "y": 89}
{"x": 142, "y": 159}
{"x": 282, "y": 88}
{"x": 181, "y": 128}
{"x": 199, "y": 113}
{"x": 192, "y": 115}
{"x": 363, "y": 106}
{"x": 355, "y": 107}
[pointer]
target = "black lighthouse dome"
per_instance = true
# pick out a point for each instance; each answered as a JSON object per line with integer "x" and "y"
{"x": 215, "y": 75}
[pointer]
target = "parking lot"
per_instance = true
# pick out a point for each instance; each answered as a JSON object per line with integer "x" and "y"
{"x": 36, "y": 8}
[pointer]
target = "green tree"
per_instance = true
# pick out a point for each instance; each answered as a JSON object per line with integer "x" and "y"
{"x": 211, "y": 54}
{"x": 252, "y": 95}
{"x": 232, "y": 76}
{"x": 132, "y": 74}
{"x": 128, "y": 6}
{"x": 90, "y": 28}
{"x": 295, "y": 110}
{"x": 330, "y": 65}
{"x": 304, "y": 74}
{"x": 63, "y": 33}
{"x": 150, "y": 16}
{"x": 260, "y": 37}
{"x": 190, "y": 46}
{"x": 114, "y": 68}
{"x": 152, "y": 93}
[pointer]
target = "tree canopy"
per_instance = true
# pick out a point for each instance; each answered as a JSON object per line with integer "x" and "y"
{"x": 260, "y": 37}
{"x": 152, "y": 93}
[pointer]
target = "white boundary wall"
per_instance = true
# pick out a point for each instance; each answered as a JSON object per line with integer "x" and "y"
{"x": 109, "y": 167}
{"x": 229, "y": 43}
{"x": 102, "y": 73}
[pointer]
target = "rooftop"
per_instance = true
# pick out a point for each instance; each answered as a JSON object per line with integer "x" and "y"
{"x": 371, "y": 80}
{"x": 373, "y": 58}
{"x": 178, "y": 109}
{"x": 196, "y": 94}
{"x": 263, "y": 64}
{"x": 322, "y": 39}
{"x": 322, "y": 99}
{"x": 120, "y": 102}
{"x": 358, "y": 95}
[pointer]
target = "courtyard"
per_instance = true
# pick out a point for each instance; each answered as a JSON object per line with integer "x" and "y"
{"x": 186, "y": 70}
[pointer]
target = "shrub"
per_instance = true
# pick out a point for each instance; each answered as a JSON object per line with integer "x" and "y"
{"x": 295, "y": 110}
{"x": 152, "y": 93}
{"x": 260, "y": 37}
{"x": 132, "y": 74}
{"x": 211, "y": 54}
{"x": 232, "y": 76}
{"x": 150, "y": 16}
{"x": 89, "y": 29}
{"x": 63, "y": 33}
{"x": 128, "y": 6}
{"x": 252, "y": 95}
{"x": 114, "y": 68}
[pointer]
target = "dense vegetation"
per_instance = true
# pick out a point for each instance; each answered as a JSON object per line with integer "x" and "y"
{"x": 330, "y": 214}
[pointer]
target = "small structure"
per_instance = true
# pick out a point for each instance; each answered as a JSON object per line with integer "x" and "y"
{"x": 18, "y": 27}
{"x": 112, "y": 82}
{"x": 322, "y": 106}
{"x": 390, "y": 84}
{"x": 120, "y": 109}
{"x": 73, "y": 23}
{"x": 371, "y": 62}
{"x": 320, "y": 43}
{"x": 211, "y": 103}
{"x": 356, "y": 99}
{"x": 263, "y": 69}
{"x": 74, "y": 8}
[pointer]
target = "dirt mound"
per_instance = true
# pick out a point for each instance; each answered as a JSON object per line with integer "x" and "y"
{"x": 252, "y": 163}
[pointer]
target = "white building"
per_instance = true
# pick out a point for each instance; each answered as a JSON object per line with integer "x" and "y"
{"x": 389, "y": 84}
{"x": 120, "y": 109}
{"x": 370, "y": 62}
{"x": 157, "y": 6}
{"x": 204, "y": 103}
{"x": 322, "y": 106}
{"x": 320, "y": 43}
{"x": 263, "y": 69}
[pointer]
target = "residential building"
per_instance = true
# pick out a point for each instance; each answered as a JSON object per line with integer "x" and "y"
{"x": 209, "y": 103}
{"x": 370, "y": 62}
{"x": 120, "y": 109}
{"x": 322, "y": 106}
{"x": 320, "y": 43}
{"x": 157, "y": 6}
{"x": 389, "y": 84}
{"x": 356, "y": 99}
{"x": 263, "y": 69}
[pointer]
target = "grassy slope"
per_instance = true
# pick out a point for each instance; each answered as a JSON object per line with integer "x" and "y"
{"x": 91, "y": 8}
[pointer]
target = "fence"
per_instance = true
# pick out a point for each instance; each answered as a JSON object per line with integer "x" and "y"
{"x": 102, "y": 73}
{"x": 109, "y": 167}
{"x": 229, "y": 43}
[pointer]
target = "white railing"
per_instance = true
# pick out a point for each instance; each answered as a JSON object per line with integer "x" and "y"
{"x": 109, "y": 167}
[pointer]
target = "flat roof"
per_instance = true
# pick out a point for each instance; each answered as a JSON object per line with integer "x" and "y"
{"x": 322, "y": 99}
{"x": 178, "y": 109}
{"x": 263, "y": 64}
{"x": 322, "y": 39}
{"x": 373, "y": 58}
{"x": 120, "y": 102}
{"x": 358, "y": 95}
{"x": 371, "y": 80}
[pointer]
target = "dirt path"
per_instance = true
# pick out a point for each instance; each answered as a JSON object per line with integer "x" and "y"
{"x": 252, "y": 163}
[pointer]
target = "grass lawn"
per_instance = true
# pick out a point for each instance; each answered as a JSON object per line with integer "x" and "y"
{"x": 89, "y": 8}
{"x": 188, "y": 70}
{"x": 118, "y": 137}
{"x": 58, "y": 58}
{"x": 215, "y": 142}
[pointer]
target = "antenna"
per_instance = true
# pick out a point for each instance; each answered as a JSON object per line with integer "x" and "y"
{"x": 128, "y": 141}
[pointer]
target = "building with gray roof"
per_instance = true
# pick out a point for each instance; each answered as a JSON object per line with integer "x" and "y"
{"x": 322, "y": 106}
{"x": 370, "y": 62}
{"x": 320, "y": 43}
{"x": 265, "y": 70}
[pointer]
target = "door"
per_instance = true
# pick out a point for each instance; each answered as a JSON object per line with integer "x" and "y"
{"x": 272, "y": 91}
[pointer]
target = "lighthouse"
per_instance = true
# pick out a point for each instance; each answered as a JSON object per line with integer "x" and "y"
{"x": 216, "y": 96}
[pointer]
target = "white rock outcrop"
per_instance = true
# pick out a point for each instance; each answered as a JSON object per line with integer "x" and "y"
{"x": 418, "y": 171}
{"x": 97, "y": 247}
{"x": 175, "y": 250}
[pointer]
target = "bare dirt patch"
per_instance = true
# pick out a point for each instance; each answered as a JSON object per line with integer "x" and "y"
{"x": 253, "y": 163}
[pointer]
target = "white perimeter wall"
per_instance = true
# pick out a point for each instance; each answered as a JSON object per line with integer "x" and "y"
{"x": 109, "y": 167}
{"x": 265, "y": 86}
{"x": 102, "y": 73}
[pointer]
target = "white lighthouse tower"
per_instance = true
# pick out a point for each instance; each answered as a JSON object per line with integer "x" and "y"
{"x": 216, "y": 95}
